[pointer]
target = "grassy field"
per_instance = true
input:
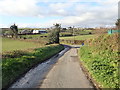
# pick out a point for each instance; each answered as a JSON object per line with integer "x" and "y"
{"x": 101, "y": 57}
{"x": 81, "y": 37}
{"x": 34, "y": 36}
{"x": 10, "y": 45}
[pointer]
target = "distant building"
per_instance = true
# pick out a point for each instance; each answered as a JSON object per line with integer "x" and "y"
{"x": 39, "y": 31}
{"x": 26, "y": 32}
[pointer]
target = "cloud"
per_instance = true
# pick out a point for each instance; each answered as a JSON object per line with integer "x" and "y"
{"x": 66, "y": 21}
{"x": 72, "y": 20}
{"x": 19, "y": 7}
{"x": 72, "y": 12}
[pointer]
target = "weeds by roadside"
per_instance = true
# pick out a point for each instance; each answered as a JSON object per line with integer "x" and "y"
{"x": 101, "y": 58}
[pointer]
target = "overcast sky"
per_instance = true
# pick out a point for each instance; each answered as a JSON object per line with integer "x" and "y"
{"x": 44, "y": 13}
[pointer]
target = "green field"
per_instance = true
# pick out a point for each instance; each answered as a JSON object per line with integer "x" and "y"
{"x": 10, "y": 45}
{"x": 81, "y": 37}
{"x": 34, "y": 36}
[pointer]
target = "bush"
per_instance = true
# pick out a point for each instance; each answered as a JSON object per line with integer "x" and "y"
{"x": 12, "y": 68}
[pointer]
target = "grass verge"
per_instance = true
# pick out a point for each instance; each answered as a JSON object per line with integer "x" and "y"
{"x": 17, "y": 62}
{"x": 101, "y": 58}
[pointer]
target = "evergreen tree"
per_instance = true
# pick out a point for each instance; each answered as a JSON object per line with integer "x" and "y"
{"x": 14, "y": 29}
{"x": 54, "y": 34}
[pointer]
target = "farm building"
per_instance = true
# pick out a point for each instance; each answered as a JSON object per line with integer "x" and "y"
{"x": 26, "y": 32}
{"x": 39, "y": 31}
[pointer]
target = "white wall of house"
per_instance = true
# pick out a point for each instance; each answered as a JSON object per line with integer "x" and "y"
{"x": 39, "y": 31}
{"x": 35, "y": 31}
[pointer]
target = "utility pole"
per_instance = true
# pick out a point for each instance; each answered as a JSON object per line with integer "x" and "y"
{"x": 73, "y": 34}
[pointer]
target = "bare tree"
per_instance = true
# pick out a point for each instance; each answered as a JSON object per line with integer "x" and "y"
{"x": 118, "y": 24}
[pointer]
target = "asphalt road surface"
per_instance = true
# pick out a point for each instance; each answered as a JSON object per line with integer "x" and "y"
{"x": 61, "y": 71}
{"x": 66, "y": 73}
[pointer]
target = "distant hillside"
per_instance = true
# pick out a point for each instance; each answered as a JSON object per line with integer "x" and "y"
{"x": 101, "y": 58}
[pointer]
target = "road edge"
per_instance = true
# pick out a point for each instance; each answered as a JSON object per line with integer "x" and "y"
{"x": 87, "y": 74}
{"x": 67, "y": 47}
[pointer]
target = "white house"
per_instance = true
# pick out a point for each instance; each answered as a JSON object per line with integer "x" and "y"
{"x": 35, "y": 31}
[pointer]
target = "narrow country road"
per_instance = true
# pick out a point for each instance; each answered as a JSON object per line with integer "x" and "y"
{"x": 66, "y": 73}
{"x": 61, "y": 71}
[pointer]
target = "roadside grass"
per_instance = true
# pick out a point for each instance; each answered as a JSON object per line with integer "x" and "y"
{"x": 80, "y": 37}
{"x": 101, "y": 57}
{"x": 11, "y": 44}
{"x": 16, "y": 63}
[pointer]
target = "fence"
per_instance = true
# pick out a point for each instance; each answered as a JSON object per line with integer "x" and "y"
{"x": 113, "y": 31}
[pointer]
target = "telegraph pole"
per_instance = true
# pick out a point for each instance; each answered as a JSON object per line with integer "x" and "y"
{"x": 73, "y": 34}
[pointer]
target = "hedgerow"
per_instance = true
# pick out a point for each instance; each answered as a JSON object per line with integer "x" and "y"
{"x": 101, "y": 57}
